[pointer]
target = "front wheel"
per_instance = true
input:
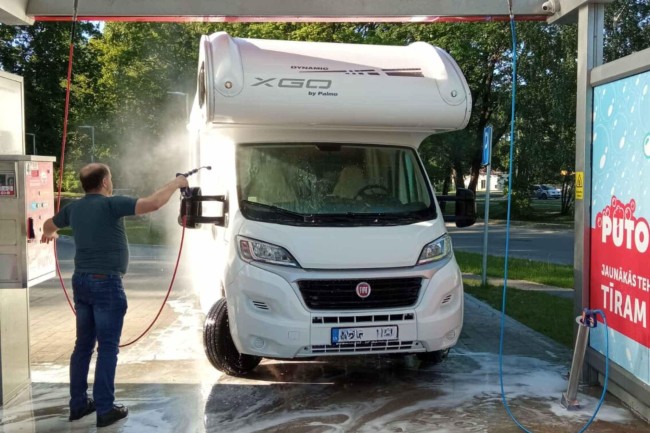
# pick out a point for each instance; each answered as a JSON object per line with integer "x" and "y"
{"x": 219, "y": 346}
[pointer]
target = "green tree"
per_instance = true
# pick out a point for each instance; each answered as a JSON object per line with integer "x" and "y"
{"x": 40, "y": 53}
{"x": 545, "y": 106}
{"x": 627, "y": 28}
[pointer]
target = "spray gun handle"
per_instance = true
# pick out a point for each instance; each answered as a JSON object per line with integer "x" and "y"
{"x": 185, "y": 192}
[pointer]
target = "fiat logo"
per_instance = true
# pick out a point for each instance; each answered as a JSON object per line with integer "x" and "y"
{"x": 363, "y": 290}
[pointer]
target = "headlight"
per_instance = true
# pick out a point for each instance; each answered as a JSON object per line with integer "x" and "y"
{"x": 436, "y": 250}
{"x": 251, "y": 250}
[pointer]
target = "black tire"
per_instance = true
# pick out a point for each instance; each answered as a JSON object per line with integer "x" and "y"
{"x": 433, "y": 358}
{"x": 544, "y": 197}
{"x": 218, "y": 344}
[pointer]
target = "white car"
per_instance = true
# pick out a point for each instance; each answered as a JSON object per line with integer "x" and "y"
{"x": 546, "y": 191}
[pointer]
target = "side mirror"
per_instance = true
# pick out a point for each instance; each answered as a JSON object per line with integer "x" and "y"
{"x": 191, "y": 210}
{"x": 465, "y": 209}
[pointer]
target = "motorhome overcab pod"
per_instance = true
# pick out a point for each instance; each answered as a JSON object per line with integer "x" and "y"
{"x": 327, "y": 238}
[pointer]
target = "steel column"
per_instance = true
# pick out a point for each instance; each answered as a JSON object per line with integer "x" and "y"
{"x": 590, "y": 54}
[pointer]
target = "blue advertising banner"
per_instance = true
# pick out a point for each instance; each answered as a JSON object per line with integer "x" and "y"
{"x": 620, "y": 232}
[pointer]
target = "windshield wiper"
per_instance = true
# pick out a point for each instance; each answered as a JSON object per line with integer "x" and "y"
{"x": 278, "y": 211}
{"x": 343, "y": 218}
{"x": 378, "y": 217}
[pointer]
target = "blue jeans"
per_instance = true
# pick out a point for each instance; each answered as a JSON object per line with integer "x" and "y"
{"x": 101, "y": 304}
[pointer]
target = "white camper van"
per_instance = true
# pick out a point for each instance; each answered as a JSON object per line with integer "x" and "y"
{"x": 317, "y": 231}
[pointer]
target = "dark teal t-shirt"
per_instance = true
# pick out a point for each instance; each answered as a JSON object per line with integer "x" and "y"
{"x": 97, "y": 222}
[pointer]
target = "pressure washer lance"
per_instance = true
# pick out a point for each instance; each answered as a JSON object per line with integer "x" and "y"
{"x": 586, "y": 321}
{"x": 187, "y": 192}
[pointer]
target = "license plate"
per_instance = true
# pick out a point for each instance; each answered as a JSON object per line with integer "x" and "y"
{"x": 371, "y": 333}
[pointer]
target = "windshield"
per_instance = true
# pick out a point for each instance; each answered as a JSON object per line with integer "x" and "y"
{"x": 332, "y": 184}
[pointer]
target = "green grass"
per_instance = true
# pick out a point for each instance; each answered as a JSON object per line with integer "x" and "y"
{"x": 542, "y": 211}
{"x": 67, "y": 194}
{"x": 547, "y": 314}
{"x": 518, "y": 269}
{"x": 139, "y": 230}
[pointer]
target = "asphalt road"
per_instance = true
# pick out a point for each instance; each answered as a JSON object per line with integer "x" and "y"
{"x": 542, "y": 242}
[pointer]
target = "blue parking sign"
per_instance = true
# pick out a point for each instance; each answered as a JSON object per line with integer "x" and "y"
{"x": 487, "y": 145}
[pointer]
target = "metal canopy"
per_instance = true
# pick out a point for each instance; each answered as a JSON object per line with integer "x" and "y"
{"x": 26, "y": 11}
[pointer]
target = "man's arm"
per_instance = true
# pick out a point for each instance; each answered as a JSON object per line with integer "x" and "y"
{"x": 49, "y": 231}
{"x": 159, "y": 198}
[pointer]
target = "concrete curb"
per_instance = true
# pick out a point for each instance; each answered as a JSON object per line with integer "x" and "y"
{"x": 519, "y": 284}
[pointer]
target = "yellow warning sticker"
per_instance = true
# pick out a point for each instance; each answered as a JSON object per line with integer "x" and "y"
{"x": 580, "y": 185}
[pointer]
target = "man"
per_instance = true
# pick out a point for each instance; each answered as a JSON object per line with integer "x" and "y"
{"x": 101, "y": 259}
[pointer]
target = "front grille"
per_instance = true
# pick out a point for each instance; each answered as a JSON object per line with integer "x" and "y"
{"x": 341, "y": 294}
{"x": 366, "y": 347}
{"x": 363, "y": 319}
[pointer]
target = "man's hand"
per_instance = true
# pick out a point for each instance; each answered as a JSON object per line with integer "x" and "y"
{"x": 49, "y": 231}
{"x": 45, "y": 238}
{"x": 182, "y": 182}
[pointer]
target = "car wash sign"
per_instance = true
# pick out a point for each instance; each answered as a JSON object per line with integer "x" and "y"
{"x": 621, "y": 278}
{"x": 620, "y": 228}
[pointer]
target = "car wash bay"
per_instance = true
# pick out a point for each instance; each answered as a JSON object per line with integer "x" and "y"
{"x": 301, "y": 392}
{"x": 169, "y": 385}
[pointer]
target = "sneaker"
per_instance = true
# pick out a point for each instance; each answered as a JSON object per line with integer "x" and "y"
{"x": 90, "y": 408}
{"x": 117, "y": 413}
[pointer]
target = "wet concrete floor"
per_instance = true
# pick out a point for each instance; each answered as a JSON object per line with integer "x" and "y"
{"x": 169, "y": 385}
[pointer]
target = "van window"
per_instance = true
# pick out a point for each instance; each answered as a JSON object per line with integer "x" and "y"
{"x": 332, "y": 184}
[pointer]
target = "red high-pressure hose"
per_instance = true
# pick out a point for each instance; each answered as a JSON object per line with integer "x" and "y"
{"x": 65, "y": 135}
{"x": 169, "y": 290}
{"x": 58, "y": 200}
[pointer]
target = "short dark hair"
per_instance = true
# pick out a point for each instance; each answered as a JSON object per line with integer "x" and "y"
{"x": 92, "y": 175}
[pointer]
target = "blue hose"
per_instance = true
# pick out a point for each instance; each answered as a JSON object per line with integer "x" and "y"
{"x": 505, "y": 270}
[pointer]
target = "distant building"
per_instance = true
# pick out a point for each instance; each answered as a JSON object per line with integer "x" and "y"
{"x": 497, "y": 181}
